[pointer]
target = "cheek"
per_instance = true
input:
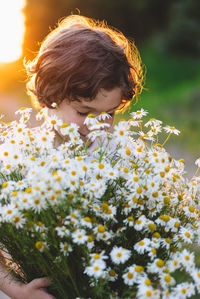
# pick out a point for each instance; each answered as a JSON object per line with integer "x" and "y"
{"x": 73, "y": 117}
{"x": 79, "y": 121}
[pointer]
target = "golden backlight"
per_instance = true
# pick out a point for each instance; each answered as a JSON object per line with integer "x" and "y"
{"x": 11, "y": 29}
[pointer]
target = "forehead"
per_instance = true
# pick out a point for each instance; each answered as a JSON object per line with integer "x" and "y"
{"x": 104, "y": 101}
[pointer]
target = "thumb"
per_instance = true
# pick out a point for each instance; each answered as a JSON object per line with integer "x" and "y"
{"x": 40, "y": 282}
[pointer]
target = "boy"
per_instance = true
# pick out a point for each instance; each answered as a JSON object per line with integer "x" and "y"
{"x": 84, "y": 67}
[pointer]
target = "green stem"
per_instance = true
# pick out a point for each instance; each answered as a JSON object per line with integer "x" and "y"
{"x": 196, "y": 172}
{"x": 166, "y": 139}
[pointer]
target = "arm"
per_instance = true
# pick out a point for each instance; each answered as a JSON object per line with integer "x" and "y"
{"x": 36, "y": 289}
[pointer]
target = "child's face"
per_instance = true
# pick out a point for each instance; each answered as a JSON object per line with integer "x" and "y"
{"x": 77, "y": 111}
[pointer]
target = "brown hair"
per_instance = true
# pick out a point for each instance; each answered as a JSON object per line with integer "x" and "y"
{"x": 81, "y": 56}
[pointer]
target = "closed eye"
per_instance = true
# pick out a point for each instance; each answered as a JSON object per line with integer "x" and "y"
{"x": 82, "y": 113}
{"x": 86, "y": 113}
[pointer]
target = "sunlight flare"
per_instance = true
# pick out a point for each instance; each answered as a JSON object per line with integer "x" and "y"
{"x": 11, "y": 29}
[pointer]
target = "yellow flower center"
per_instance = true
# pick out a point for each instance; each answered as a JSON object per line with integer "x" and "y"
{"x": 187, "y": 234}
{"x": 160, "y": 263}
{"x": 141, "y": 243}
{"x": 129, "y": 275}
{"x": 139, "y": 190}
{"x": 101, "y": 229}
{"x": 148, "y": 282}
{"x": 101, "y": 166}
{"x": 38, "y": 245}
{"x": 96, "y": 256}
{"x": 119, "y": 254}
{"x": 168, "y": 278}
{"x": 112, "y": 273}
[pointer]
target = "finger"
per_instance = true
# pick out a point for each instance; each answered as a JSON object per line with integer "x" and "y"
{"x": 48, "y": 296}
{"x": 40, "y": 282}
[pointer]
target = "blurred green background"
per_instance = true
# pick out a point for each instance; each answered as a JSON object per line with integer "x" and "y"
{"x": 167, "y": 36}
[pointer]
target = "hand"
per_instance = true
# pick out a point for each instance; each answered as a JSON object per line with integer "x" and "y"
{"x": 36, "y": 289}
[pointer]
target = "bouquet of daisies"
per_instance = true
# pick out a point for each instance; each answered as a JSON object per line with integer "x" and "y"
{"x": 109, "y": 220}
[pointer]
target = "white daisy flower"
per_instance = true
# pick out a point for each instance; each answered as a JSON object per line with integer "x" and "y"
{"x": 90, "y": 120}
{"x": 100, "y": 126}
{"x": 195, "y": 273}
{"x": 186, "y": 235}
{"x": 111, "y": 274}
{"x": 121, "y": 132}
{"x": 40, "y": 227}
{"x": 96, "y": 134}
{"x": 72, "y": 218}
{"x": 62, "y": 231}
{"x": 86, "y": 221}
{"x": 134, "y": 122}
{"x": 197, "y": 162}
{"x": 146, "y": 136}
{"x": 140, "y": 223}
{"x": 163, "y": 220}
{"x": 166, "y": 280}
{"x": 42, "y": 113}
{"x": 174, "y": 224}
{"x": 174, "y": 263}
{"x": 155, "y": 130}
{"x": 8, "y": 212}
{"x": 119, "y": 255}
{"x": 142, "y": 245}
{"x": 153, "y": 122}
{"x": 18, "y": 220}
{"x": 65, "y": 248}
{"x": 129, "y": 276}
{"x": 54, "y": 121}
{"x": 96, "y": 270}
{"x": 187, "y": 260}
{"x": 147, "y": 292}
{"x": 156, "y": 266}
{"x": 138, "y": 114}
{"x": 114, "y": 295}
{"x": 166, "y": 242}
{"x": 109, "y": 213}
{"x": 183, "y": 290}
{"x": 139, "y": 150}
{"x": 41, "y": 246}
{"x": 98, "y": 256}
{"x": 101, "y": 233}
{"x": 64, "y": 129}
{"x": 103, "y": 116}
{"x": 155, "y": 242}
{"x": 24, "y": 111}
{"x": 90, "y": 243}
{"x": 129, "y": 221}
{"x": 172, "y": 130}
{"x": 38, "y": 203}
{"x": 152, "y": 253}
{"x": 79, "y": 236}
